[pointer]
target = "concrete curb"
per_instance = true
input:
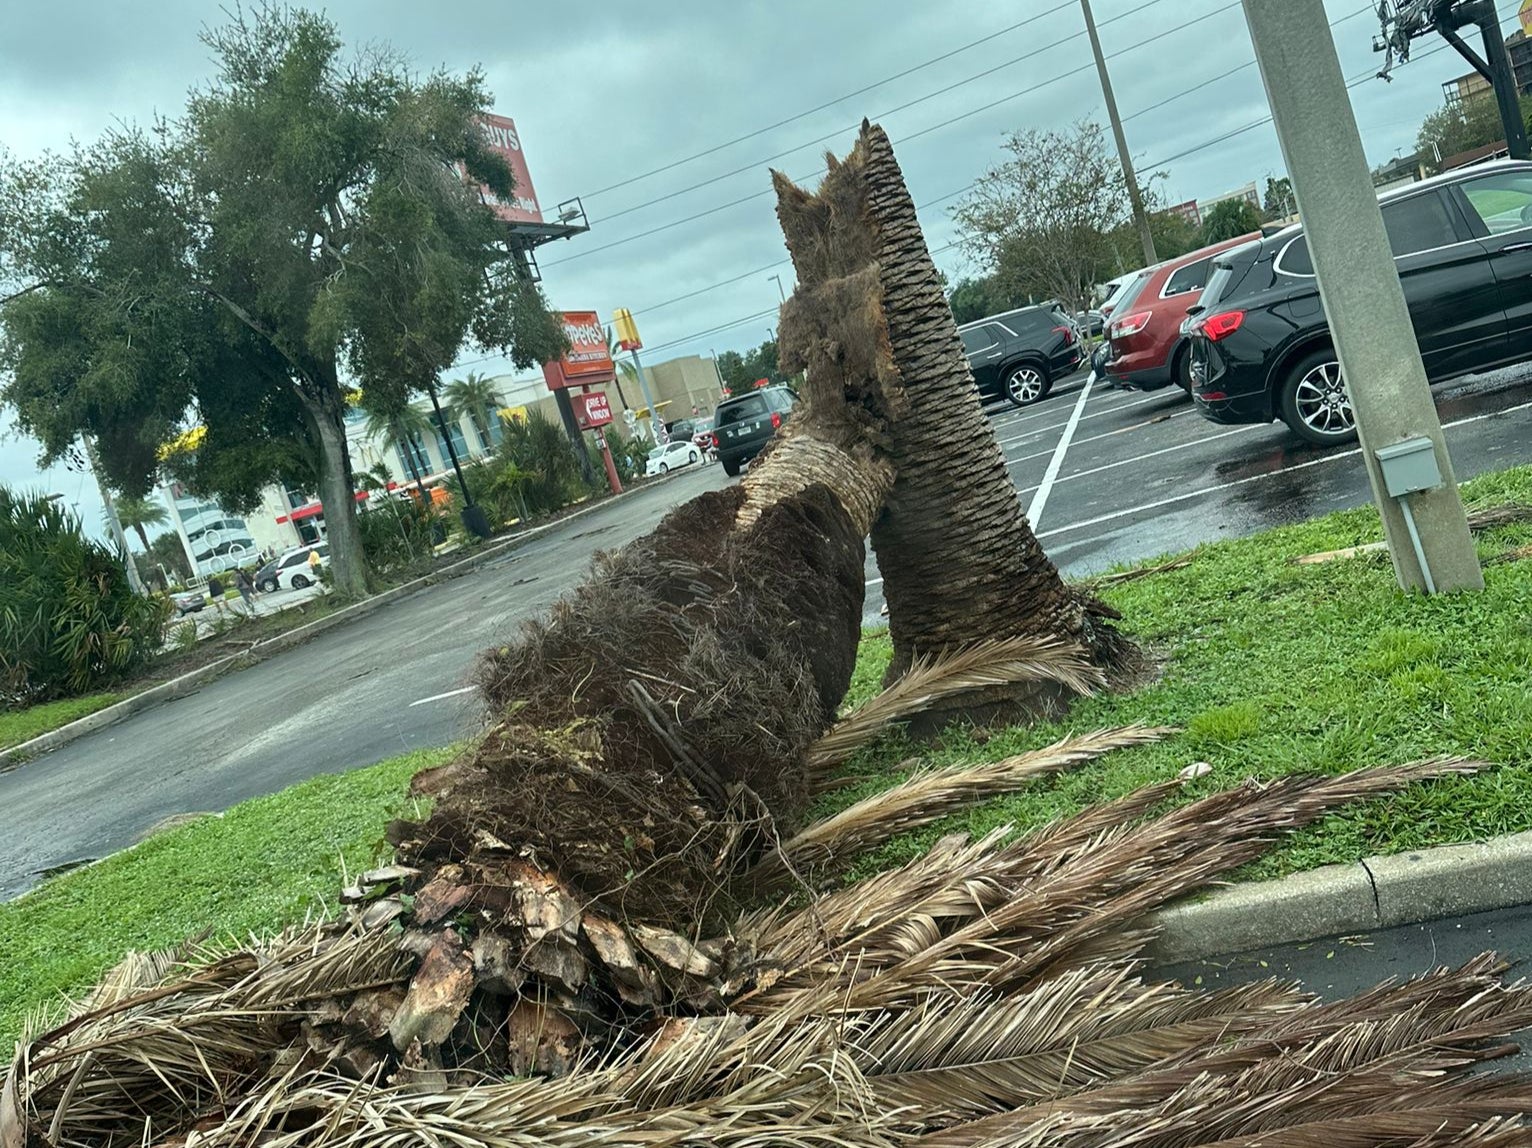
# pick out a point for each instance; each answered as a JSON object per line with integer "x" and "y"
{"x": 194, "y": 680}
{"x": 1378, "y": 893}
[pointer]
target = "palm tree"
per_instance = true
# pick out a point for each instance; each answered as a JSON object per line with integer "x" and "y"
{"x": 476, "y": 397}
{"x": 406, "y": 429}
{"x": 625, "y": 369}
{"x": 137, "y": 514}
{"x": 959, "y": 560}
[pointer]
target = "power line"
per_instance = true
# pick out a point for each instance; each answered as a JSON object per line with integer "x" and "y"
{"x": 755, "y": 164}
{"x": 924, "y": 131}
{"x": 831, "y": 103}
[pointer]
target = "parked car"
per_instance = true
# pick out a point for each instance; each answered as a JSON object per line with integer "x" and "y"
{"x": 189, "y": 602}
{"x": 1462, "y": 245}
{"x": 293, "y": 567}
{"x": 1111, "y": 293}
{"x": 1148, "y": 349}
{"x": 1090, "y": 322}
{"x": 266, "y": 577}
{"x": 702, "y": 433}
{"x": 664, "y": 459}
{"x": 744, "y": 424}
{"x": 1020, "y": 354}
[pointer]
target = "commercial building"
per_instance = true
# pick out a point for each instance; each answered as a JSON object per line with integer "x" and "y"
{"x": 1472, "y": 85}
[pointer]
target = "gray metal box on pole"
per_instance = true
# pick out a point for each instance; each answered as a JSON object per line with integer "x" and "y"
{"x": 1359, "y": 286}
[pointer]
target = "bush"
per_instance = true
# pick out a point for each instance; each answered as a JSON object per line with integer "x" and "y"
{"x": 68, "y": 619}
{"x": 630, "y": 454}
{"x": 547, "y": 473}
{"x": 397, "y": 533}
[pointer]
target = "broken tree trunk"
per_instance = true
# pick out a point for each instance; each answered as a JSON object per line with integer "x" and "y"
{"x": 960, "y": 563}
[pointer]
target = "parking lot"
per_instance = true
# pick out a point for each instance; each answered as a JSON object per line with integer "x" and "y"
{"x": 1145, "y": 474}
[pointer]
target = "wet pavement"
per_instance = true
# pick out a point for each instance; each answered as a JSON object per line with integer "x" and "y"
{"x": 1146, "y": 475}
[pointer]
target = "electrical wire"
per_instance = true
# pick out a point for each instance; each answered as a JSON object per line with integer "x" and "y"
{"x": 830, "y": 103}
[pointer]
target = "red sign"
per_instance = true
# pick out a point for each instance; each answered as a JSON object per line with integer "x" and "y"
{"x": 592, "y": 410}
{"x": 500, "y": 137}
{"x": 588, "y": 358}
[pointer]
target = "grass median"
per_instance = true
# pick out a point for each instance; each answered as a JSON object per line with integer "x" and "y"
{"x": 1270, "y": 668}
{"x": 17, "y": 726}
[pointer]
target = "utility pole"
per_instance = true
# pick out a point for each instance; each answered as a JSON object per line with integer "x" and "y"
{"x": 472, "y": 513}
{"x": 656, "y": 424}
{"x": 113, "y": 522}
{"x": 1423, "y": 519}
{"x": 780, "y": 290}
{"x": 1140, "y": 217}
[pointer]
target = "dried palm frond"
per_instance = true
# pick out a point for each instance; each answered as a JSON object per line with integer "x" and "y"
{"x": 931, "y": 795}
{"x": 1507, "y": 514}
{"x": 1135, "y": 573}
{"x": 1003, "y": 662}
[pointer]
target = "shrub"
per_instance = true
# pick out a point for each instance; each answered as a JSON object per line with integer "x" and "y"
{"x": 68, "y": 619}
{"x": 547, "y": 469}
{"x": 397, "y": 533}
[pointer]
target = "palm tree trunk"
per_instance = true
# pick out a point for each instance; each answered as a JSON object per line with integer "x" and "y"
{"x": 143, "y": 536}
{"x": 960, "y": 563}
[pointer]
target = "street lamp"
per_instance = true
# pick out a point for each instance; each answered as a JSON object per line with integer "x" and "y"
{"x": 780, "y": 291}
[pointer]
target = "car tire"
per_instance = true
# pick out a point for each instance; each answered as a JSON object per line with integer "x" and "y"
{"x": 730, "y": 467}
{"x": 269, "y": 586}
{"x": 693, "y": 456}
{"x": 664, "y": 468}
{"x": 300, "y": 582}
{"x": 1313, "y": 402}
{"x": 1025, "y": 384}
{"x": 1181, "y": 370}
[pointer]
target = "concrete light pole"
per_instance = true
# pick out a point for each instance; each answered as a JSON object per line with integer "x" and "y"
{"x": 114, "y": 524}
{"x": 1426, "y": 528}
{"x": 1140, "y": 217}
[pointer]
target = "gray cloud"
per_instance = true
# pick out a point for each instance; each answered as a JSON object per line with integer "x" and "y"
{"x": 608, "y": 91}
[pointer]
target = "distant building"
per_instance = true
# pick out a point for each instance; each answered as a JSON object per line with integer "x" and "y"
{"x": 1466, "y": 87}
{"x": 1248, "y": 193}
{"x": 1187, "y": 211}
{"x": 214, "y": 540}
{"x": 1398, "y": 172}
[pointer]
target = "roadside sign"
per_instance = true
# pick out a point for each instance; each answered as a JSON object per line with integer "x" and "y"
{"x": 592, "y": 410}
{"x": 1525, "y": 16}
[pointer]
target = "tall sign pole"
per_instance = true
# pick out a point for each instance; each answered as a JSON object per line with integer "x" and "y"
{"x": 1426, "y": 528}
{"x": 1140, "y": 217}
{"x": 628, "y": 340}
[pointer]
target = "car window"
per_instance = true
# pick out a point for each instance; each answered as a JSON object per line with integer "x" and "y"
{"x": 977, "y": 339}
{"x": 1131, "y": 293}
{"x": 749, "y": 407}
{"x": 294, "y": 559}
{"x": 1503, "y": 200}
{"x": 781, "y": 399}
{"x": 1294, "y": 259}
{"x": 1188, "y": 278}
{"x": 1419, "y": 223}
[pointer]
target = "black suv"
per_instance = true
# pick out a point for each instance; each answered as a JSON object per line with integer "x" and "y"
{"x": 1020, "y": 353}
{"x": 744, "y": 424}
{"x": 1462, "y": 245}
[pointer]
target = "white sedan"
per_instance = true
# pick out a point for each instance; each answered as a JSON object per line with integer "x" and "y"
{"x": 664, "y": 459}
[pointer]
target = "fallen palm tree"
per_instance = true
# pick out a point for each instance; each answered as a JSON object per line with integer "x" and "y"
{"x": 572, "y": 945}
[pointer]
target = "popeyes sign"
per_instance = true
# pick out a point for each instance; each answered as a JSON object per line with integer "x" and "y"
{"x": 499, "y": 135}
{"x": 587, "y": 360}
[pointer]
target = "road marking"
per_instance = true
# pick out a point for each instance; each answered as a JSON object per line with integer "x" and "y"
{"x": 443, "y": 697}
{"x": 1040, "y": 499}
{"x": 1112, "y": 410}
{"x": 1150, "y": 454}
{"x": 874, "y": 581}
{"x": 1173, "y": 499}
{"x": 1099, "y": 437}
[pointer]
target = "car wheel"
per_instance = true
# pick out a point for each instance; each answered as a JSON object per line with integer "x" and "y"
{"x": 1025, "y": 385}
{"x": 269, "y": 586}
{"x": 299, "y": 582}
{"x": 664, "y": 468}
{"x": 1314, "y": 400}
{"x": 730, "y": 467}
{"x": 1181, "y": 370}
{"x": 693, "y": 456}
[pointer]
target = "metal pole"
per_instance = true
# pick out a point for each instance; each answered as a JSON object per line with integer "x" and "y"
{"x": 473, "y": 518}
{"x": 780, "y": 290}
{"x": 1140, "y": 217}
{"x": 112, "y": 521}
{"x": 1503, "y": 77}
{"x": 1358, "y": 283}
{"x": 656, "y": 424}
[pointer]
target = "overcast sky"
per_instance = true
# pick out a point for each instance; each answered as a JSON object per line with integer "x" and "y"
{"x": 605, "y": 92}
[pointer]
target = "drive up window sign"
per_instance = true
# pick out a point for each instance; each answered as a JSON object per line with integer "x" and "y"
{"x": 499, "y": 133}
{"x": 592, "y": 410}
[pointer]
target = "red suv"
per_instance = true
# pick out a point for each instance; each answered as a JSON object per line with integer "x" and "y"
{"x": 1148, "y": 350}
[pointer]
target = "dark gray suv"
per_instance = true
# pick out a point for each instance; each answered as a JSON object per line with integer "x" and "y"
{"x": 744, "y": 424}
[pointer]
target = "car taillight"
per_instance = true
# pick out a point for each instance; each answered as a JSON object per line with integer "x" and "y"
{"x": 1067, "y": 332}
{"x": 1222, "y": 325}
{"x": 776, "y": 420}
{"x": 714, "y": 438}
{"x": 1130, "y": 325}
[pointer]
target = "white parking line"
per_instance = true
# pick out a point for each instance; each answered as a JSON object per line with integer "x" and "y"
{"x": 1150, "y": 454}
{"x": 1173, "y": 499}
{"x": 1099, "y": 437}
{"x": 1040, "y": 499}
{"x": 443, "y": 697}
{"x": 1109, "y": 411}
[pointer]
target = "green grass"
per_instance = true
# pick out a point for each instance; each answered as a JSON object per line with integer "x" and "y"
{"x": 263, "y": 864}
{"x": 17, "y": 726}
{"x": 1269, "y": 668}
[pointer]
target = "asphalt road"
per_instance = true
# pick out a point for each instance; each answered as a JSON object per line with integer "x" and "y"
{"x": 1144, "y": 475}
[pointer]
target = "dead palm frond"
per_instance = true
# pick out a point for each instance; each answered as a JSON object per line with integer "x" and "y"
{"x": 1506, "y": 514}
{"x": 931, "y": 795}
{"x": 1003, "y": 662}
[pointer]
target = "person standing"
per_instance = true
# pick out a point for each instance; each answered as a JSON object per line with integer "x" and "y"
{"x": 215, "y": 592}
{"x": 246, "y": 589}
